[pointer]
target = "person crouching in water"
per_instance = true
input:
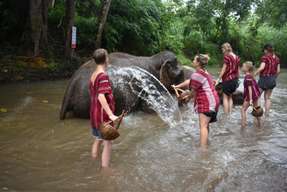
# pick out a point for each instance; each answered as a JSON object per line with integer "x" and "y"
{"x": 269, "y": 70}
{"x": 102, "y": 105}
{"x": 229, "y": 75}
{"x": 251, "y": 93}
{"x": 206, "y": 100}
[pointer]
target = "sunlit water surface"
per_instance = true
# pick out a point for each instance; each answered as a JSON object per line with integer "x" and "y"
{"x": 38, "y": 152}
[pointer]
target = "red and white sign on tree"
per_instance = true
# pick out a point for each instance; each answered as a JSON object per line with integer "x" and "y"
{"x": 74, "y": 37}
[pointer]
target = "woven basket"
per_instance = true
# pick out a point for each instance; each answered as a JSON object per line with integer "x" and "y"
{"x": 109, "y": 130}
{"x": 183, "y": 96}
{"x": 257, "y": 111}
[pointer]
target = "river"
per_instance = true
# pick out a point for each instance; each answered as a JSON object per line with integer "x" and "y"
{"x": 38, "y": 152}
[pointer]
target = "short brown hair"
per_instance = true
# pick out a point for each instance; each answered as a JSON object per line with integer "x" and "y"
{"x": 100, "y": 56}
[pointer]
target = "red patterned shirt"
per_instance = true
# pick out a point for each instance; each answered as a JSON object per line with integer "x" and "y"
{"x": 101, "y": 85}
{"x": 271, "y": 63}
{"x": 206, "y": 98}
{"x": 250, "y": 81}
{"x": 232, "y": 67}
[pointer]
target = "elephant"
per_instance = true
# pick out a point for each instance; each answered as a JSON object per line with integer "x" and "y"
{"x": 164, "y": 66}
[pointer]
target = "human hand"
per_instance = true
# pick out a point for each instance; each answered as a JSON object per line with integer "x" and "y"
{"x": 251, "y": 103}
{"x": 113, "y": 117}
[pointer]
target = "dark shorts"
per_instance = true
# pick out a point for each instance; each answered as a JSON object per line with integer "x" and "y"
{"x": 229, "y": 87}
{"x": 212, "y": 115}
{"x": 267, "y": 82}
{"x": 97, "y": 134}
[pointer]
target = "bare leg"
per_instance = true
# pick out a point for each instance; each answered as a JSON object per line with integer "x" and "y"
{"x": 96, "y": 148}
{"x": 243, "y": 113}
{"x": 225, "y": 103}
{"x": 230, "y": 103}
{"x": 106, "y": 155}
{"x": 258, "y": 119}
{"x": 267, "y": 98}
{"x": 204, "y": 124}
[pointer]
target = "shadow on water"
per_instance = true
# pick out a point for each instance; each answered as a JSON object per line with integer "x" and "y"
{"x": 40, "y": 153}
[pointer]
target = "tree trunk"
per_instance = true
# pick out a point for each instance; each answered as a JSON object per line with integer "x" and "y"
{"x": 103, "y": 19}
{"x": 39, "y": 24}
{"x": 36, "y": 24}
{"x": 69, "y": 22}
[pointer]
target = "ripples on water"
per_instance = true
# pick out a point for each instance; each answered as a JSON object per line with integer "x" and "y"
{"x": 38, "y": 152}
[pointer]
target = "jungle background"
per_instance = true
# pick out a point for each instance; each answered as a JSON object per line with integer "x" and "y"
{"x": 35, "y": 35}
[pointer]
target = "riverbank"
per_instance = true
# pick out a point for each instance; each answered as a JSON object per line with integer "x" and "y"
{"x": 22, "y": 68}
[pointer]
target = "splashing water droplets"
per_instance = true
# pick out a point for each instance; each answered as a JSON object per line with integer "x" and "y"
{"x": 150, "y": 89}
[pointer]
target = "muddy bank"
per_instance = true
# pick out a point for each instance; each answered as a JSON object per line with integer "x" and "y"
{"x": 22, "y": 68}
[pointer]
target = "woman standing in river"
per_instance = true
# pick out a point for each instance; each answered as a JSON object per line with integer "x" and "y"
{"x": 269, "y": 70}
{"x": 229, "y": 75}
{"x": 206, "y": 101}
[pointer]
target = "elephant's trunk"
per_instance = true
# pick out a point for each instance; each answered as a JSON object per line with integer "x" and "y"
{"x": 66, "y": 100}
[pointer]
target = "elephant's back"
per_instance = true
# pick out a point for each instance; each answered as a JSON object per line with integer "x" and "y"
{"x": 119, "y": 59}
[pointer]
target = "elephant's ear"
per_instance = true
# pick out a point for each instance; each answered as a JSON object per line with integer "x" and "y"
{"x": 164, "y": 76}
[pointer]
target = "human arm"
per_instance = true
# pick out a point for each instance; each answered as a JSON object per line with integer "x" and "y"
{"x": 184, "y": 84}
{"x": 103, "y": 101}
{"x": 250, "y": 95}
{"x": 223, "y": 70}
{"x": 278, "y": 69}
{"x": 261, "y": 68}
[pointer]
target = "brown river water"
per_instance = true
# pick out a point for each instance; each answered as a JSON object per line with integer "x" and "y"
{"x": 38, "y": 152}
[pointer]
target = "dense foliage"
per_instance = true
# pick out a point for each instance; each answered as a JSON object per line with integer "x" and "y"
{"x": 145, "y": 27}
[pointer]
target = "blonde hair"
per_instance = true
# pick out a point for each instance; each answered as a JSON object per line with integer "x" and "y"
{"x": 249, "y": 65}
{"x": 227, "y": 47}
{"x": 202, "y": 59}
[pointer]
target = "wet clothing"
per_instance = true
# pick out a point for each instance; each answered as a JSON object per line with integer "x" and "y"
{"x": 250, "y": 81}
{"x": 97, "y": 134}
{"x": 101, "y": 85}
{"x": 230, "y": 86}
{"x": 232, "y": 67}
{"x": 212, "y": 115}
{"x": 271, "y": 63}
{"x": 206, "y": 98}
{"x": 268, "y": 75}
{"x": 267, "y": 82}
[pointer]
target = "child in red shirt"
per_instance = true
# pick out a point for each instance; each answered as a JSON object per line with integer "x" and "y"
{"x": 229, "y": 75}
{"x": 102, "y": 104}
{"x": 268, "y": 70}
{"x": 206, "y": 101}
{"x": 251, "y": 91}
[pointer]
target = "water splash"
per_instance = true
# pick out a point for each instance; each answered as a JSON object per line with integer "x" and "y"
{"x": 148, "y": 88}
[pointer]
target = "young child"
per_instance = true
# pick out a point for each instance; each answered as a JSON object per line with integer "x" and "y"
{"x": 229, "y": 75}
{"x": 102, "y": 105}
{"x": 206, "y": 101}
{"x": 251, "y": 91}
{"x": 268, "y": 70}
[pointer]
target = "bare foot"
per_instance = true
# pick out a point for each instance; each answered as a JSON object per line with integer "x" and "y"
{"x": 243, "y": 125}
{"x": 107, "y": 171}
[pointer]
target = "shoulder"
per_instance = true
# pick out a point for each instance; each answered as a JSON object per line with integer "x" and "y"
{"x": 248, "y": 77}
{"x": 103, "y": 76}
{"x": 264, "y": 58}
{"x": 226, "y": 57}
{"x": 197, "y": 76}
